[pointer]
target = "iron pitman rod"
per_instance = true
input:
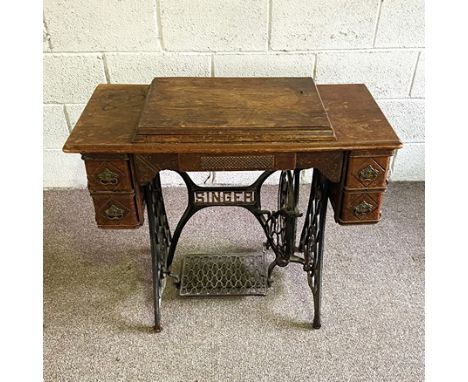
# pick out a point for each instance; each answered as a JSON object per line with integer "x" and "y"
{"x": 279, "y": 226}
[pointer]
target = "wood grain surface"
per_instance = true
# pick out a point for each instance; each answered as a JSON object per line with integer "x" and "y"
{"x": 126, "y": 137}
{"x": 109, "y": 122}
{"x": 230, "y": 110}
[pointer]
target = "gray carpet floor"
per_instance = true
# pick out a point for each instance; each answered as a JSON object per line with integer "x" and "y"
{"x": 98, "y": 309}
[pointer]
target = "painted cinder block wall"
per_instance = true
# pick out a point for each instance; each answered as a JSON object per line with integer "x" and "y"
{"x": 376, "y": 42}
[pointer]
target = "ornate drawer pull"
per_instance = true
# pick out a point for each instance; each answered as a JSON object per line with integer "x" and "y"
{"x": 108, "y": 177}
{"x": 363, "y": 208}
{"x": 368, "y": 173}
{"x": 114, "y": 212}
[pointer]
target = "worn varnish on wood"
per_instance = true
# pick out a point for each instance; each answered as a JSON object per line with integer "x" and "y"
{"x": 233, "y": 110}
{"x": 116, "y": 195}
{"x": 207, "y": 124}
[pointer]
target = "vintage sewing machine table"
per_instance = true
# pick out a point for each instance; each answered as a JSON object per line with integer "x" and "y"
{"x": 127, "y": 134}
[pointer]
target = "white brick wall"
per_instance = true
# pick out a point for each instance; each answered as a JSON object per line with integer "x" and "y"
{"x": 71, "y": 78}
{"x": 401, "y": 24}
{"x": 222, "y": 25}
{"x": 387, "y": 74}
{"x": 379, "y": 43}
{"x": 264, "y": 65}
{"x": 62, "y": 170}
{"x": 104, "y": 25}
{"x": 318, "y": 24}
{"x": 406, "y": 117}
{"x": 418, "y": 84}
{"x": 141, "y": 68}
{"x": 409, "y": 163}
{"x": 55, "y": 126}
{"x": 73, "y": 112}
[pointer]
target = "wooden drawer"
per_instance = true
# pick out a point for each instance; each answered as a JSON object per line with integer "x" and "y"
{"x": 358, "y": 197}
{"x": 117, "y": 210}
{"x": 367, "y": 172}
{"x": 360, "y": 207}
{"x": 108, "y": 175}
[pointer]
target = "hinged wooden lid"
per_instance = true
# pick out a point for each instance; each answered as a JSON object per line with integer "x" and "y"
{"x": 233, "y": 110}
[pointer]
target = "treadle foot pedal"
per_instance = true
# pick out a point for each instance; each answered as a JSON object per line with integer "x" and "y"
{"x": 224, "y": 275}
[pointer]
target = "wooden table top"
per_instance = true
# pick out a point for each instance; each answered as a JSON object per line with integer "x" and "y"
{"x": 233, "y": 110}
{"x": 112, "y": 118}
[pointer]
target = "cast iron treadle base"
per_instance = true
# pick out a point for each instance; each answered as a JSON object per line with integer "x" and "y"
{"x": 212, "y": 275}
{"x": 224, "y": 275}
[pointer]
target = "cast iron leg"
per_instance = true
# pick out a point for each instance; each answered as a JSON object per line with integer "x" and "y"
{"x": 160, "y": 238}
{"x": 312, "y": 238}
{"x": 193, "y": 207}
{"x": 272, "y": 266}
{"x": 190, "y": 210}
{"x": 281, "y": 225}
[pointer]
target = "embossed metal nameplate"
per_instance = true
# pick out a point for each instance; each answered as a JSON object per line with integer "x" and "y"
{"x": 223, "y": 198}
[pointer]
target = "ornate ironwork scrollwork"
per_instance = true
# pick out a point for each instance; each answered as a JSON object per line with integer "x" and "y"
{"x": 312, "y": 237}
{"x": 279, "y": 226}
{"x": 276, "y": 222}
{"x": 160, "y": 236}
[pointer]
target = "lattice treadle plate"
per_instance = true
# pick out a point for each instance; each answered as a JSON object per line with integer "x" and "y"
{"x": 224, "y": 275}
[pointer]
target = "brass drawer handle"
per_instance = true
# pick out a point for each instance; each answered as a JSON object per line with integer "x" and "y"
{"x": 107, "y": 177}
{"x": 363, "y": 208}
{"x": 368, "y": 173}
{"x": 114, "y": 212}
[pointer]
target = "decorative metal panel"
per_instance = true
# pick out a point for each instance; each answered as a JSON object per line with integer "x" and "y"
{"x": 240, "y": 162}
{"x": 226, "y": 274}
